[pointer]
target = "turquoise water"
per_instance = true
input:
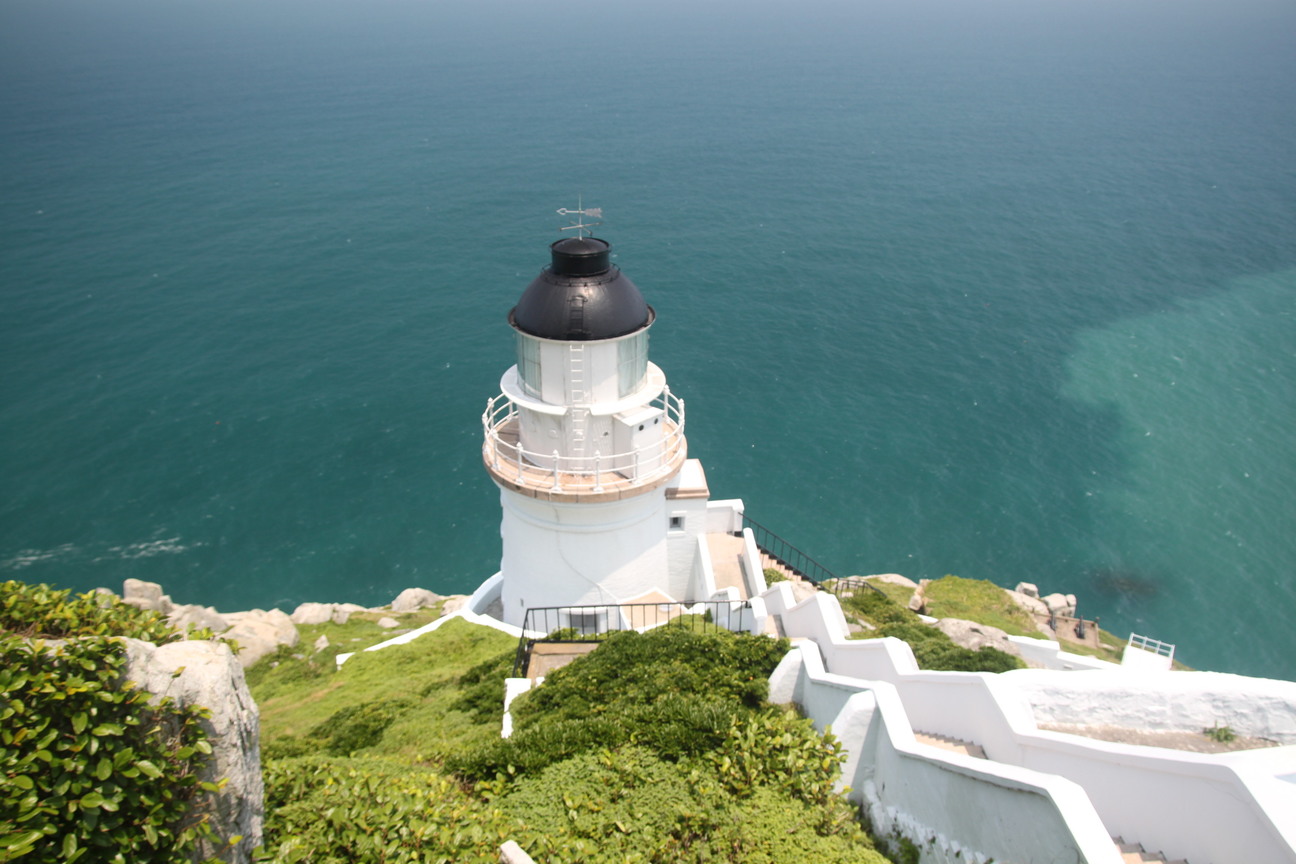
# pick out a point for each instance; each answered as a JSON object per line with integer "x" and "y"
{"x": 1001, "y": 289}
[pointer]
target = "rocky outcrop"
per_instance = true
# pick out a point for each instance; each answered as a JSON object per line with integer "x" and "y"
{"x": 321, "y": 613}
{"x": 206, "y": 674}
{"x": 893, "y": 579}
{"x": 1060, "y": 604}
{"x": 260, "y": 632}
{"x": 413, "y": 599}
{"x": 970, "y": 634}
{"x": 146, "y": 595}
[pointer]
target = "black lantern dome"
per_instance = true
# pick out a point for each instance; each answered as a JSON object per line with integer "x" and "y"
{"x": 581, "y": 296}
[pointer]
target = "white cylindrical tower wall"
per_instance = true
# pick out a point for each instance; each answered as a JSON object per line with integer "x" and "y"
{"x": 558, "y": 554}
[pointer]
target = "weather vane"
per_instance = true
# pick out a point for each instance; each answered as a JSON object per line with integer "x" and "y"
{"x": 581, "y": 227}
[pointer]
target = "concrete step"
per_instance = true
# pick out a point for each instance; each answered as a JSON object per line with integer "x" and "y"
{"x": 1134, "y": 853}
{"x": 957, "y": 745}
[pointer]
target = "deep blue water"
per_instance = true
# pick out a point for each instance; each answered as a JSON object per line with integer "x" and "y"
{"x": 1003, "y": 289}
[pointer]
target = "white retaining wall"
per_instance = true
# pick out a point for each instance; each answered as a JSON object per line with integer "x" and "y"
{"x": 954, "y": 808}
{"x": 1217, "y": 808}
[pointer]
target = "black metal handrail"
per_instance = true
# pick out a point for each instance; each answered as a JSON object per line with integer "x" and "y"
{"x": 786, "y": 554}
{"x": 794, "y": 559}
{"x": 595, "y": 623}
{"x": 850, "y": 584}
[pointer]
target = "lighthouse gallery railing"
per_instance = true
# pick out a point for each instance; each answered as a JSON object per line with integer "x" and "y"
{"x": 503, "y": 452}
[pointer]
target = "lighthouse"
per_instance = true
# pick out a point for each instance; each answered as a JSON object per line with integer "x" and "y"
{"x": 600, "y": 504}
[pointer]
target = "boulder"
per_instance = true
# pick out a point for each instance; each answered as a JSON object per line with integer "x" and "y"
{"x": 206, "y": 674}
{"x": 342, "y": 611}
{"x": 1060, "y": 604}
{"x": 259, "y": 633}
{"x": 312, "y": 613}
{"x": 412, "y": 599}
{"x": 893, "y": 579}
{"x": 321, "y": 643}
{"x": 1030, "y": 589}
{"x": 1033, "y": 605}
{"x": 146, "y": 595}
{"x": 183, "y": 617}
{"x": 388, "y": 623}
{"x": 455, "y": 602}
{"x": 976, "y": 636}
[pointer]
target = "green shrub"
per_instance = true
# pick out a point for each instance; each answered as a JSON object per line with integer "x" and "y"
{"x": 1220, "y": 734}
{"x": 935, "y": 651}
{"x": 878, "y": 609}
{"x": 39, "y": 611}
{"x": 95, "y": 769}
{"x": 629, "y": 805}
{"x": 358, "y": 726}
{"x": 354, "y": 811}
{"x": 632, "y": 667}
{"x": 773, "y": 576}
{"x": 675, "y": 727}
{"x": 483, "y": 688}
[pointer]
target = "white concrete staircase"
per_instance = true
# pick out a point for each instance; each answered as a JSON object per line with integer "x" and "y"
{"x": 1133, "y": 853}
{"x": 956, "y": 745}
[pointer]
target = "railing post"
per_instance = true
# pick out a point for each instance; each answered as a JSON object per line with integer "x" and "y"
{"x": 598, "y": 478}
{"x": 556, "y": 485}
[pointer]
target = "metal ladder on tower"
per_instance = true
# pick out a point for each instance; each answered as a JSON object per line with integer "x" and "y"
{"x": 579, "y": 428}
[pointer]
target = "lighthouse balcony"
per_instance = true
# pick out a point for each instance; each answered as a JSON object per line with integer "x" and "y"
{"x": 586, "y": 476}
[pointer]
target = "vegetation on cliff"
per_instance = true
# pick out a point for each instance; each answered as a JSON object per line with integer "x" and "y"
{"x": 93, "y": 770}
{"x": 654, "y": 747}
{"x": 932, "y": 649}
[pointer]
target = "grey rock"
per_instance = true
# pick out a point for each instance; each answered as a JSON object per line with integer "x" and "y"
{"x": 1033, "y": 605}
{"x": 976, "y": 636}
{"x": 259, "y": 633}
{"x": 1060, "y": 604}
{"x": 206, "y": 674}
{"x": 455, "y": 602}
{"x": 321, "y": 643}
{"x": 893, "y": 579}
{"x": 146, "y": 595}
{"x": 1030, "y": 589}
{"x": 186, "y": 616}
{"x": 412, "y": 599}
{"x": 312, "y": 613}
{"x": 388, "y": 623}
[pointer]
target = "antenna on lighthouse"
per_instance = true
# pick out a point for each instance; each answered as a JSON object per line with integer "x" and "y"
{"x": 581, "y": 227}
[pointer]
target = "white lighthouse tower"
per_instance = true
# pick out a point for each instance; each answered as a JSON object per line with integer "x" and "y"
{"x": 586, "y": 442}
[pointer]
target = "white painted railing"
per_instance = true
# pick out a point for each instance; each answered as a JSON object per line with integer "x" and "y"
{"x": 1144, "y": 643}
{"x": 503, "y": 452}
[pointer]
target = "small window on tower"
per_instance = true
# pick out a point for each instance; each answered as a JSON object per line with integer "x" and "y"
{"x": 677, "y": 523}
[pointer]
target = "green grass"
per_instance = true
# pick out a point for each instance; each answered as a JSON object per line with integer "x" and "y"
{"x": 420, "y": 678}
{"x": 898, "y": 593}
{"x": 978, "y": 600}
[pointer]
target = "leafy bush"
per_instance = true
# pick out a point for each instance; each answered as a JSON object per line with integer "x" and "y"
{"x": 39, "y": 611}
{"x": 483, "y": 688}
{"x": 628, "y": 805}
{"x": 1220, "y": 734}
{"x": 878, "y": 609}
{"x": 352, "y": 811}
{"x": 95, "y": 769}
{"x": 674, "y": 727}
{"x": 632, "y": 667}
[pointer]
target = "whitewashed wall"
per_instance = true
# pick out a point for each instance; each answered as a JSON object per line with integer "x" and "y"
{"x": 1224, "y": 808}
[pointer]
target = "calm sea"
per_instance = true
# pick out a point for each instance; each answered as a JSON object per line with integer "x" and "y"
{"x": 996, "y": 288}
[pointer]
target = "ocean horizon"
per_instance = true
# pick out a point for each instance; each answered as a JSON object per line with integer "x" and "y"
{"x": 994, "y": 288}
